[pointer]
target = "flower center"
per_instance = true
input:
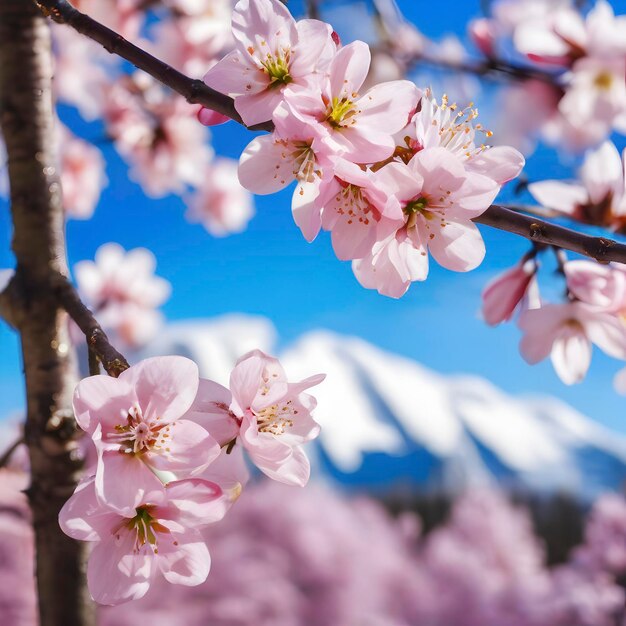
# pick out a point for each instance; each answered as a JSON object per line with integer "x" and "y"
{"x": 603, "y": 80}
{"x": 276, "y": 418}
{"x": 277, "y": 68}
{"x": 304, "y": 162}
{"x": 341, "y": 112}
{"x": 146, "y": 528}
{"x": 139, "y": 435}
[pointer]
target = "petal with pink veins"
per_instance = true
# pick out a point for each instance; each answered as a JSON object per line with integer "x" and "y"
{"x": 266, "y": 165}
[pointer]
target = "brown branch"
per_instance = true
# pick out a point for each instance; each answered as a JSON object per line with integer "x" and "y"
{"x": 27, "y": 122}
{"x": 97, "y": 341}
{"x": 536, "y": 230}
{"x": 193, "y": 90}
{"x": 599, "y": 248}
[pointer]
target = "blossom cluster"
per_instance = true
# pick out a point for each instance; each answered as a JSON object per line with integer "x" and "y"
{"x": 391, "y": 173}
{"x": 168, "y": 450}
{"x": 586, "y": 56}
{"x": 592, "y": 313}
{"x": 332, "y": 559}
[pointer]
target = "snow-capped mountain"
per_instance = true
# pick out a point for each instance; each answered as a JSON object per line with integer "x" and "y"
{"x": 386, "y": 418}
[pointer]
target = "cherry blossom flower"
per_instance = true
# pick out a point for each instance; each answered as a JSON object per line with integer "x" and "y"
{"x": 565, "y": 332}
{"x": 562, "y": 35}
{"x": 124, "y": 292}
{"x": 292, "y": 152}
{"x": 221, "y": 204}
{"x": 82, "y": 175}
{"x": 271, "y": 52}
{"x": 123, "y": 16}
{"x": 157, "y": 134}
{"x": 443, "y": 125}
{"x": 268, "y": 416}
{"x": 160, "y": 536}
{"x": 502, "y": 296}
{"x": 136, "y": 422}
{"x": 438, "y": 199}
{"x": 603, "y": 286}
{"x": 600, "y": 199}
{"x": 357, "y": 126}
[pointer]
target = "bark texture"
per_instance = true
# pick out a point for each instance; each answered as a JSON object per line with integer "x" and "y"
{"x": 27, "y": 123}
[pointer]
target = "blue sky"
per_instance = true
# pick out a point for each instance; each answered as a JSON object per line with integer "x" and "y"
{"x": 270, "y": 270}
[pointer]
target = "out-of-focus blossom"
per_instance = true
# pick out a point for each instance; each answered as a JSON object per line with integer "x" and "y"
{"x": 268, "y": 416}
{"x": 600, "y": 199}
{"x": 221, "y": 204}
{"x": 483, "y": 35}
{"x": 603, "y": 286}
{"x": 502, "y": 296}
{"x": 271, "y": 52}
{"x": 80, "y": 71}
{"x": 121, "y": 288}
{"x": 160, "y": 536}
{"x": 123, "y": 16}
{"x": 566, "y": 332}
{"x": 158, "y": 135}
{"x": 82, "y": 175}
{"x": 562, "y": 35}
{"x": 137, "y": 424}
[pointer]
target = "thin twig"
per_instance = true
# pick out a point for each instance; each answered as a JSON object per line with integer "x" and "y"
{"x": 599, "y": 248}
{"x": 93, "y": 361}
{"x": 97, "y": 341}
{"x": 8, "y": 453}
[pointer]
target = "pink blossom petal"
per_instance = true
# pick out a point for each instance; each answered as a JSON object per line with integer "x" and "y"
{"x": 193, "y": 501}
{"x": 602, "y": 173}
{"x": 266, "y": 165}
{"x": 186, "y": 562}
{"x": 389, "y": 106}
{"x": 607, "y": 332}
{"x": 101, "y": 400}
{"x": 305, "y": 209}
{"x": 501, "y": 163}
{"x": 165, "y": 386}
{"x": 571, "y": 354}
{"x": 210, "y": 410}
{"x": 558, "y": 195}
{"x": 349, "y": 69}
{"x": 245, "y": 381}
{"x": 233, "y": 74}
{"x": 255, "y": 108}
{"x": 208, "y": 117}
{"x": 456, "y": 246}
{"x": 124, "y": 481}
{"x": 83, "y": 517}
{"x": 188, "y": 450}
{"x": 315, "y": 48}
{"x": 115, "y": 574}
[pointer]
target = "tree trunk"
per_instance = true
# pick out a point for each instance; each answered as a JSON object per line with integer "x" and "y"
{"x": 27, "y": 121}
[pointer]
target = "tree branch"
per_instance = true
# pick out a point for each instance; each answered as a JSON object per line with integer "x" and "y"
{"x": 97, "y": 341}
{"x": 599, "y": 248}
{"x": 27, "y": 122}
{"x": 193, "y": 90}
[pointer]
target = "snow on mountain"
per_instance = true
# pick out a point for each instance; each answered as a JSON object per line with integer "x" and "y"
{"x": 385, "y": 417}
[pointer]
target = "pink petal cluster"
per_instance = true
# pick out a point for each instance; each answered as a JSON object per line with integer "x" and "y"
{"x": 82, "y": 175}
{"x": 593, "y": 314}
{"x": 221, "y": 204}
{"x": 388, "y": 171}
{"x": 269, "y": 417}
{"x": 121, "y": 288}
{"x": 587, "y": 55}
{"x": 156, "y": 132}
{"x": 600, "y": 196}
{"x": 166, "y": 464}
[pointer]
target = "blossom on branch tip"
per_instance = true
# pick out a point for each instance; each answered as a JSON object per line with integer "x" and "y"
{"x": 159, "y": 536}
{"x": 271, "y": 52}
{"x": 566, "y": 332}
{"x": 263, "y": 413}
{"x": 137, "y": 424}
